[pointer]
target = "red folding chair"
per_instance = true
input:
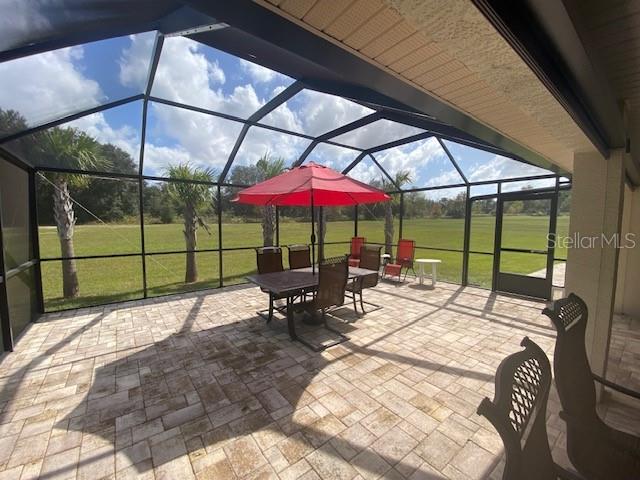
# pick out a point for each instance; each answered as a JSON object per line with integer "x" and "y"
{"x": 356, "y": 245}
{"x": 404, "y": 259}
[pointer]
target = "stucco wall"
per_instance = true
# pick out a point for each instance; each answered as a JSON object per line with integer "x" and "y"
{"x": 628, "y": 291}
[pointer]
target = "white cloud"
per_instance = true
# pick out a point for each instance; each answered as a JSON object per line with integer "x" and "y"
{"x": 332, "y": 156}
{"x": 185, "y": 75}
{"x": 321, "y": 113}
{"x": 414, "y": 158}
{"x": 377, "y": 133}
{"x": 450, "y": 177}
{"x": 260, "y": 141}
{"x": 47, "y": 86}
{"x": 502, "y": 167}
{"x": 366, "y": 171}
{"x": 157, "y": 158}
{"x": 135, "y": 60}
{"x": 315, "y": 113}
{"x": 125, "y": 137}
{"x": 258, "y": 73}
{"x": 208, "y": 140}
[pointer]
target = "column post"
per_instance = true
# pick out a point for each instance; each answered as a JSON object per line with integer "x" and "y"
{"x": 592, "y": 264}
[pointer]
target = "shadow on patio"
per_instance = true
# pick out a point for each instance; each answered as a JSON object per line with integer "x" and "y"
{"x": 200, "y": 384}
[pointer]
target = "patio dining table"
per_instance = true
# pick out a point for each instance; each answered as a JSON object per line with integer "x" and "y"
{"x": 291, "y": 283}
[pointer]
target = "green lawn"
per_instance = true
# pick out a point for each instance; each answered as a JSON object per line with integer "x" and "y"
{"x": 115, "y": 279}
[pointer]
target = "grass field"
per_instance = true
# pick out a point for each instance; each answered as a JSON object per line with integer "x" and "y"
{"x": 115, "y": 279}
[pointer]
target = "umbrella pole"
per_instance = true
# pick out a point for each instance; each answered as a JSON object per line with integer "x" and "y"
{"x": 313, "y": 239}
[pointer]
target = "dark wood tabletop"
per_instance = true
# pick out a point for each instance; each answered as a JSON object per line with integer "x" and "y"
{"x": 292, "y": 281}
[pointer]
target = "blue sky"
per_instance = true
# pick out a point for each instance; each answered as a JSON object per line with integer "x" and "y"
{"x": 77, "y": 78}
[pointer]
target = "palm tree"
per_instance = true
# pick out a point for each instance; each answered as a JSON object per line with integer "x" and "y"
{"x": 401, "y": 178}
{"x": 72, "y": 149}
{"x": 268, "y": 167}
{"x": 191, "y": 198}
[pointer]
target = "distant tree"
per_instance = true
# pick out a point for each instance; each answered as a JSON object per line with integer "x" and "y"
{"x": 564, "y": 202}
{"x": 268, "y": 167}
{"x": 455, "y": 207}
{"x": 11, "y": 121}
{"x": 244, "y": 175}
{"x": 514, "y": 208}
{"x": 111, "y": 200}
{"x": 69, "y": 148}
{"x": 192, "y": 198}
{"x": 436, "y": 210}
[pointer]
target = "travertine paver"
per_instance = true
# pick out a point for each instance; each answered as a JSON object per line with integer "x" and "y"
{"x": 198, "y": 386}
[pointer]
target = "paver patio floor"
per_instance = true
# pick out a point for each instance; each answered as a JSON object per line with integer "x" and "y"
{"x": 199, "y": 386}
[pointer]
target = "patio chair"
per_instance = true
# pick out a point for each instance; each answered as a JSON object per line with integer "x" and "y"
{"x": 269, "y": 260}
{"x": 369, "y": 259}
{"x": 332, "y": 281}
{"x": 299, "y": 256}
{"x": 518, "y": 413}
{"x": 404, "y": 259}
{"x": 597, "y": 450}
{"x": 356, "y": 245}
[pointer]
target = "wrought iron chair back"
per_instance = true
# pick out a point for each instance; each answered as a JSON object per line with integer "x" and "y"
{"x": 574, "y": 380}
{"x": 597, "y": 450}
{"x": 518, "y": 413}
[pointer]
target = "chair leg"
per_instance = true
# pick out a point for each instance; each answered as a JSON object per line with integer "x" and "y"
{"x": 270, "y": 308}
{"x": 353, "y": 296}
{"x": 361, "y": 302}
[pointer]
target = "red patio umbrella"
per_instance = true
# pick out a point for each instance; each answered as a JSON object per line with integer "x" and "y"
{"x": 311, "y": 185}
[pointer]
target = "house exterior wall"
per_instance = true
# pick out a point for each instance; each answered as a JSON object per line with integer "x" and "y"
{"x": 627, "y": 298}
{"x": 596, "y": 213}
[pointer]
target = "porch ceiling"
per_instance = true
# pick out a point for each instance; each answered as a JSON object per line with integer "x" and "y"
{"x": 449, "y": 50}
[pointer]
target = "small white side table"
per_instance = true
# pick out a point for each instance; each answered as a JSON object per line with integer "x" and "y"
{"x": 384, "y": 259}
{"x": 434, "y": 269}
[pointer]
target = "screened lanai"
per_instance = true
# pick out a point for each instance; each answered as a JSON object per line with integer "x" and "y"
{"x": 99, "y": 128}
{"x": 146, "y": 336}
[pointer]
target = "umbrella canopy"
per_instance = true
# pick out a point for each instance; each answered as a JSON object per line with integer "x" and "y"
{"x": 311, "y": 185}
{"x": 308, "y": 185}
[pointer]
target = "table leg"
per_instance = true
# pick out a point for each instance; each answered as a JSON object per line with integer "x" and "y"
{"x": 290, "y": 323}
{"x": 434, "y": 269}
{"x": 421, "y": 274}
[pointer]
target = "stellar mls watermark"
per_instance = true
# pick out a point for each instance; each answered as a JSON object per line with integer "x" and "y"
{"x": 577, "y": 240}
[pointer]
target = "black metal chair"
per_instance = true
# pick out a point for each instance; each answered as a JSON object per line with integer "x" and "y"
{"x": 518, "y": 413}
{"x": 332, "y": 282}
{"x": 597, "y": 450}
{"x": 269, "y": 260}
{"x": 299, "y": 256}
{"x": 369, "y": 259}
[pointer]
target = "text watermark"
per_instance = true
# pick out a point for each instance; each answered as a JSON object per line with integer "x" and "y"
{"x": 578, "y": 240}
